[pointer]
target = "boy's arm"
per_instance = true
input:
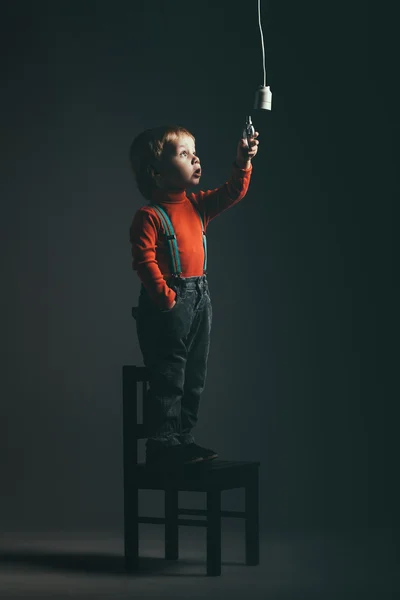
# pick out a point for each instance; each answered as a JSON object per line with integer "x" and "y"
{"x": 143, "y": 235}
{"x": 213, "y": 202}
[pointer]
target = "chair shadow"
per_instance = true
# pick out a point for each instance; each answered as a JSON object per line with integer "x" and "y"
{"x": 93, "y": 563}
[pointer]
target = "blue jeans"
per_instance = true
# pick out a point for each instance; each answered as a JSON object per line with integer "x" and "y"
{"x": 175, "y": 346}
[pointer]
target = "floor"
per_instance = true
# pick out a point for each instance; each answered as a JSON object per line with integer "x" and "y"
{"x": 293, "y": 567}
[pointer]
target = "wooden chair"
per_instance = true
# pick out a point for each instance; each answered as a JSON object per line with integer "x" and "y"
{"x": 211, "y": 477}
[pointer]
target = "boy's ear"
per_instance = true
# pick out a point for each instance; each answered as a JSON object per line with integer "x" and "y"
{"x": 153, "y": 171}
{"x": 154, "y": 174}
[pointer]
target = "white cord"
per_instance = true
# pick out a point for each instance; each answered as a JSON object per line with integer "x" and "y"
{"x": 262, "y": 41}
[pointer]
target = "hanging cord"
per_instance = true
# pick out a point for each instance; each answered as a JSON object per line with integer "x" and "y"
{"x": 262, "y": 41}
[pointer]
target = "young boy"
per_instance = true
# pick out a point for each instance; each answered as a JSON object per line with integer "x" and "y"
{"x": 169, "y": 253}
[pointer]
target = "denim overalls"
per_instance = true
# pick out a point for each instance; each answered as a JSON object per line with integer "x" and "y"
{"x": 175, "y": 345}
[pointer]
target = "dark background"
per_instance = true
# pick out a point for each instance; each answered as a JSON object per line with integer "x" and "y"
{"x": 302, "y": 364}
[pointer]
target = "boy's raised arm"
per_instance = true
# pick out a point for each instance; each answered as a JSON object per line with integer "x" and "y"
{"x": 211, "y": 203}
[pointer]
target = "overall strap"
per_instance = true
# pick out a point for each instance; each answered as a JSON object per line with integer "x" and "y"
{"x": 204, "y": 238}
{"x": 171, "y": 239}
{"x": 172, "y": 242}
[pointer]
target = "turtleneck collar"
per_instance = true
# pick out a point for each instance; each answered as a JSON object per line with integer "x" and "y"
{"x": 177, "y": 196}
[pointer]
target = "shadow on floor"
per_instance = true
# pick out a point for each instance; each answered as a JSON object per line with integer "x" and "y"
{"x": 99, "y": 563}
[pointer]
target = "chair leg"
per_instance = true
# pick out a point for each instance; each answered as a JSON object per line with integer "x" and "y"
{"x": 171, "y": 524}
{"x": 252, "y": 520}
{"x": 131, "y": 528}
{"x": 214, "y": 532}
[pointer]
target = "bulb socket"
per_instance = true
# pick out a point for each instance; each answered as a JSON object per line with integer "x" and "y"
{"x": 263, "y": 98}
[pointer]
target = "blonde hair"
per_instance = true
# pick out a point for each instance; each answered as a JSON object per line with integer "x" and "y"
{"x": 145, "y": 155}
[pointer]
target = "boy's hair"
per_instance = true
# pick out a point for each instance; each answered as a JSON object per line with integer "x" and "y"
{"x": 146, "y": 152}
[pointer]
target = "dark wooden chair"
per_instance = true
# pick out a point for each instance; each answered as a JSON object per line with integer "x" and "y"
{"x": 211, "y": 477}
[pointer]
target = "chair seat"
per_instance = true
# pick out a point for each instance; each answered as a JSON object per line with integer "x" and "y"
{"x": 220, "y": 474}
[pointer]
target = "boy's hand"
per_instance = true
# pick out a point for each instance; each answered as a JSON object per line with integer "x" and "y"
{"x": 245, "y": 153}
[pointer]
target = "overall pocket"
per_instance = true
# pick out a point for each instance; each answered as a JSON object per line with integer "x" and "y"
{"x": 178, "y": 299}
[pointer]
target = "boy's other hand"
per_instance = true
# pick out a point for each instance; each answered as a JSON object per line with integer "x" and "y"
{"x": 245, "y": 152}
{"x": 172, "y": 306}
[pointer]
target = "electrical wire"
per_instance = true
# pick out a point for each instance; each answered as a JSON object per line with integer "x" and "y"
{"x": 262, "y": 41}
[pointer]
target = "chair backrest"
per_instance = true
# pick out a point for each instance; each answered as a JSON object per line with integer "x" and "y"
{"x": 134, "y": 378}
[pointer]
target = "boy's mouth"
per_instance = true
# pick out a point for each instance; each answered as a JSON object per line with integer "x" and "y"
{"x": 197, "y": 173}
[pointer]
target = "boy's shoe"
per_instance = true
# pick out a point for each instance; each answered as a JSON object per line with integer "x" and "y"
{"x": 189, "y": 455}
{"x": 162, "y": 457}
{"x": 202, "y": 453}
{"x": 171, "y": 457}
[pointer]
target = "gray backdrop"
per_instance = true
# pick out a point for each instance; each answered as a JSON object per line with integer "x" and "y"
{"x": 301, "y": 367}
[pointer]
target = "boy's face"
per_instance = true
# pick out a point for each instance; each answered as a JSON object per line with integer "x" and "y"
{"x": 180, "y": 166}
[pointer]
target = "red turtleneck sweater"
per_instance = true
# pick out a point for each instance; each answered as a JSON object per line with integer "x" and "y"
{"x": 150, "y": 253}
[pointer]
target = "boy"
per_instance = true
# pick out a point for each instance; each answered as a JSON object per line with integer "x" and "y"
{"x": 169, "y": 253}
